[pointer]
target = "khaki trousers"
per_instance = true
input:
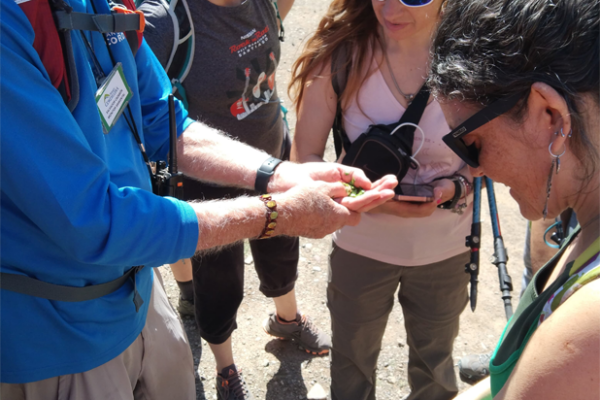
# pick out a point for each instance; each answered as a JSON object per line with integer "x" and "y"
{"x": 360, "y": 298}
{"x": 158, "y": 365}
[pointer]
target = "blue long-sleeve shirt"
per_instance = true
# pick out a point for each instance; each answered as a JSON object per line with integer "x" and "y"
{"x": 76, "y": 204}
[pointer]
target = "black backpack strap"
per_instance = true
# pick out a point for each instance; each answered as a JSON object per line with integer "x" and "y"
{"x": 413, "y": 114}
{"x": 104, "y": 23}
{"x": 34, "y": 287}
{"x": 339, "y": 78}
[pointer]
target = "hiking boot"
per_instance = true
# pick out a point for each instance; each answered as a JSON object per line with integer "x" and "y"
{"x": 474, "y": 367}
{"x": 231, "y": 385}
{"x": 301, "y": 330}
{"x": 186, "y": 308}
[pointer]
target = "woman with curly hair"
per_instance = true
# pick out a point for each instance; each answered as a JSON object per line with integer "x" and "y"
{"x": 518, "y": 83}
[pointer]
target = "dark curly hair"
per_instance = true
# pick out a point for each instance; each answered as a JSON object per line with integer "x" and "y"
{"x": 488, "y": 49}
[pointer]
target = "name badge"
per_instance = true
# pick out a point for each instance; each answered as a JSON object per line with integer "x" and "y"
{"x": 112, "y": 97}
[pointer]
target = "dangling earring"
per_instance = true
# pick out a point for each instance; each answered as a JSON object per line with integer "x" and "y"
{"x": 554, "y": 168}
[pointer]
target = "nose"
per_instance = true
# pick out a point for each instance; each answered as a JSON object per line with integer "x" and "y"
{"x": 476, "y": 172}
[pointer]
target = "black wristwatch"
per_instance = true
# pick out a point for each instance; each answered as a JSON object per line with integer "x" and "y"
{"x": 450, "y": 204}
{"x": 264, "y": 173}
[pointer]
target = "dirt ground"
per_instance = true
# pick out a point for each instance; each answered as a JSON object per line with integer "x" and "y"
{"x": 278, "y": 370}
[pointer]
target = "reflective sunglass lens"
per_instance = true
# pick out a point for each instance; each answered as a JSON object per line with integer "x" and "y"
{"x": 415, "y": 3}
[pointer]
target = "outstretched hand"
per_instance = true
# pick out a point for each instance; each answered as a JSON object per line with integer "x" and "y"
{"x": 308, "y": 210}
{"x": 288, "y": 175}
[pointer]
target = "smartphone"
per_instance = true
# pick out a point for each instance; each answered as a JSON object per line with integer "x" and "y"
{"x": 414, "y": 193}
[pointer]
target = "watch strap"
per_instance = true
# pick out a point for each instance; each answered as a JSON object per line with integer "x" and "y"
{"x": 264, "y": 173}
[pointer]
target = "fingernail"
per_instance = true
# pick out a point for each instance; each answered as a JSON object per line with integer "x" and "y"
{"x": 439, "y": 201}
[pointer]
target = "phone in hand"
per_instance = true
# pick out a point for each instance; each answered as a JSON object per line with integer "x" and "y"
{"x": 414, "y": 193}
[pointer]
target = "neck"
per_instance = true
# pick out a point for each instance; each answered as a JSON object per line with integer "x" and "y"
{"x": 588, "y": 212}
{"x": 416, "y": 45}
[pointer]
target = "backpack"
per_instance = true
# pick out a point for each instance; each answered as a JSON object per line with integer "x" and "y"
{"x": 52, "y": 22}
{"x": 184, "y": 43}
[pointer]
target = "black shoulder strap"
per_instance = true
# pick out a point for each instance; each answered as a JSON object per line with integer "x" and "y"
{"x": 339, "y": 78}
{"x": 413, "y": 114}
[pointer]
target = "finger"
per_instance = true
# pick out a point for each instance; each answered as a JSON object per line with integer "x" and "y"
{"x": 360, "y": 179}
{"x": 387, "y": 182}
{"x": 368, "y": 201}
{"x": 334, "y": 189}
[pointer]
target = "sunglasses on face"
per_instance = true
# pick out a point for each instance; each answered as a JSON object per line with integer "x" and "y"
{"x": 470, "y": 153}
{"x": 413, "y": 3}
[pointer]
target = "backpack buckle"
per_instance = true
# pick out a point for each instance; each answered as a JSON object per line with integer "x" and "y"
{"x": 120, "y": 9}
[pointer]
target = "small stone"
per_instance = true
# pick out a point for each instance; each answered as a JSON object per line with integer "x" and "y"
{"x": 303, "y": 259}
{"x": 317, "y": 269}
{"x": 391, "y": 380}
{"x": 249, "y": 260}
{"x": 266, "y": 363}
{"x": 317, "y": 393}
{"x": 308, "y": 246}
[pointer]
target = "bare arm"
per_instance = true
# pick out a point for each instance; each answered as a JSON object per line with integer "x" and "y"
{"x": 480, "y": 391}
{"x": 315, "y": 118}
{"x": 284, "y": 7}
{"x": 562, "y": 358}
{"x": 206, "y": 154}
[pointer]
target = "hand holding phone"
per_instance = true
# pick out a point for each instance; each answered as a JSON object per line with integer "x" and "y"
{"x": 414, "y": 193}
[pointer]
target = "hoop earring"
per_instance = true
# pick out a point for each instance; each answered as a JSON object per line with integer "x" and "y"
{"x": 563, "y": 134}
{"x": 554, "y": 168}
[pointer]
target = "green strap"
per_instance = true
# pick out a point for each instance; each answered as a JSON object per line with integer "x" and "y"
{"x": 69, "y": 21}
{"x": 281, "y": 29}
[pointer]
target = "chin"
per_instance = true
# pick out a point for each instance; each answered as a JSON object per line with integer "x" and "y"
{"x": 530, "y": 213}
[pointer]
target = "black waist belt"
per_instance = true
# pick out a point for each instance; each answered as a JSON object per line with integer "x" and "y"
{"x": 34, "y": 287}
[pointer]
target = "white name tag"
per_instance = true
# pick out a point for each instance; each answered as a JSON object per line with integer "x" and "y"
{"x": 112, "y": 97}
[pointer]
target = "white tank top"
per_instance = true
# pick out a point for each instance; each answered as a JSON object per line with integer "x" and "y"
{"x": 406, "y": 241}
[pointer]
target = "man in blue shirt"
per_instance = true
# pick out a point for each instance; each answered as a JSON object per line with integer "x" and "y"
{"x": 77, "y": 210}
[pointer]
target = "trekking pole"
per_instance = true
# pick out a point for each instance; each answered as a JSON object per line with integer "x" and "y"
{"x": 474, "y": 241}
{"x": 500, "y": 256}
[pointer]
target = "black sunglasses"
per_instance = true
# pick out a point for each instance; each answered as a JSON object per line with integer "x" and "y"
{"x": 470, "y": 154}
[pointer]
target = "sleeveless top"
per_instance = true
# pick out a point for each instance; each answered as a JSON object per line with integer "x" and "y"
{"x": 406, "y": 241}
{"x": 534, "y": 308}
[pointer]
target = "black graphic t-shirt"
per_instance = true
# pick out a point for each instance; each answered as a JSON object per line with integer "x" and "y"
{"x": 231, "y": 85}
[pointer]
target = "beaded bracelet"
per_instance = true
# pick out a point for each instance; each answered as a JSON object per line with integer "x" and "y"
{"x": 271, "y": 216}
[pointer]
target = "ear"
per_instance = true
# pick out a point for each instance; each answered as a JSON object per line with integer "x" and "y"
{"x": 550, "y": 112}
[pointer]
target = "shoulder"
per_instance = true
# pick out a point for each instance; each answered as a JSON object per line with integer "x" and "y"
{"x": 561, "y": 358}
{"x": 159, "y": 31}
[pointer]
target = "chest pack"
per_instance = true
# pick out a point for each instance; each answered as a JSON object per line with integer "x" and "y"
{"x": 53, "y": 22}
{"x": 384, "y": 148}
{"x": 184, "y": 43}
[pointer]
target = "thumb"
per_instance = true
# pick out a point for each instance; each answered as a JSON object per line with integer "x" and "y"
{"x": 335, "y": 189}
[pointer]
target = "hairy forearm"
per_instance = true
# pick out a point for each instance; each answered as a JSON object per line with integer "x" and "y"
{"x": 222, "y": 222}
{"x": 209, "y": 155}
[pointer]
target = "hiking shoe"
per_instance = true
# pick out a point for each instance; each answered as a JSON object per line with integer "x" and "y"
{"x": 231, "y": 385}
{"x": 301, "y": 330}
{"x": 474, "y": 367}
{"x": 186, "y": 308}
